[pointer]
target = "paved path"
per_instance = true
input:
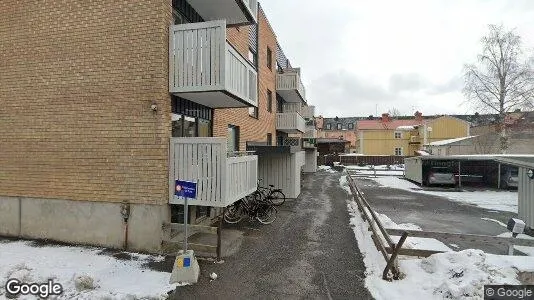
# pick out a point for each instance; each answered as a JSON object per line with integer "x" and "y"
{"x": 309, "y": 252}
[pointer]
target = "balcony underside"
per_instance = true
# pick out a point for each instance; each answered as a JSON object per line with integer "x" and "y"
{"x": 292, "y": 96}
{"x": 289, "y": 130}
{"x": 262, "y": 150}
{"x": 235, "y": 12}
{"x": 214, "y": 99}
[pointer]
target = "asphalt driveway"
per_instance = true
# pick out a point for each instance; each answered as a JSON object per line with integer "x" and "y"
{"x": 434, "y": 213}
{"x": 309, "y": 252}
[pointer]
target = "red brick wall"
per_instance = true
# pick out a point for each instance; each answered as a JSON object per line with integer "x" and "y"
{"x": 252, "y": 129}
{"x": 76, "y": 84}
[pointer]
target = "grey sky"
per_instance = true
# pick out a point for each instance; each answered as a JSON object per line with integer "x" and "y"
{"x": 362, "y": 57}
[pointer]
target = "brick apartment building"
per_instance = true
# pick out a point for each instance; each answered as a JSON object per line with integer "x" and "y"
{"x": 102, "y": 110}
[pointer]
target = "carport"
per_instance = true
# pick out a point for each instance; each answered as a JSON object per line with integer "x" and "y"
{"x": 525, "y": 187}
{"x": 469, "y": 170}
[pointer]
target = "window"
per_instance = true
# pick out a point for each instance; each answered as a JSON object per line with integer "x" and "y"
{"x": 339, "y": 126}
{"x": 233, "y": 138}
{"x": 398, "y": 151}
{"x": 269, "y": 59}
{"x": 269, "y": 139}
{"x": 328, "y": 126}
{"x": 351, "y": 125}
{"x": 252, "y": 57}
{"x": 398, "y": 135}
{"x": 279, "y": 104}
{"x": 253, "y": 112}
{"x": 185, "y": 126}
{"x": 269, "y": 101}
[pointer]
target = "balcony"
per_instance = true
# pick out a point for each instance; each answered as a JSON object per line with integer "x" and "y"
{"x": 308, "y": 112}
{"x": 290, "y": 122}
{"x": 289, "y": 86}
{"x": 309, "y": 144}
{"x": 310, "y": 133}
{"x": 206, "y": 69}
{"x": 235, "y": 12}
{"x": 221, "y": 180}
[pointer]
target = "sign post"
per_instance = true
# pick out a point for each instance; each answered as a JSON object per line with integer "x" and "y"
{"x": 186, "y": 190}
{"x": 185, "y": 268}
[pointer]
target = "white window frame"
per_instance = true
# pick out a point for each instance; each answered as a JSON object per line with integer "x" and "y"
{"x": 399, "y": 134}
{"x": 400, "y": 153}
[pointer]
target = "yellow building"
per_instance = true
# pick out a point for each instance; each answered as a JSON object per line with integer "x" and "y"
{"x": 386, "y": 136}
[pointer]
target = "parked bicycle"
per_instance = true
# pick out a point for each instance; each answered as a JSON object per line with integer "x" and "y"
{"x": 252, "y": 206}
{"x": 276, "y": 196}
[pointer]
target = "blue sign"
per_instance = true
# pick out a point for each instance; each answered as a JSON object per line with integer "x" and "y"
{"x": 186, "y": 189}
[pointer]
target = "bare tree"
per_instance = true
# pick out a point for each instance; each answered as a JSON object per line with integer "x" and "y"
{"x": 502, "y": 80}
{"x": 394, "y": 112}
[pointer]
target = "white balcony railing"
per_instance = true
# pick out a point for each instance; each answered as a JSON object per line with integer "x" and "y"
{"x": 221, "y": 180}
{"x": 235, "y": 12}
{"x": 292, "y": 107}
{"x": 201, "y": 60}
{"x": 310, "y": 133}
{"x": 308, "y": 112}
{"x": 289, "y": 85}
{"x": 290, "y": 122}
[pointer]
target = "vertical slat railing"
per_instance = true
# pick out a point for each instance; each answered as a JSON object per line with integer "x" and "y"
{"x": 196, "y": 56}
{"x": 242, "y": 177}
{"x": 292, "y": 107}
{"x": 199, "y": 160}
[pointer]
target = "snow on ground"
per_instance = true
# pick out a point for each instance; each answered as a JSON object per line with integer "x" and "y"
{"x": 84, "y": 273}
{"x": 495, "y": 221}
{"x": 327, "y": 169}
{"x": 527, "y": 250}
{"x": 345, "y": 184}
{"x": 450, "y": 275}
{"x": 395, "y": 170}
{"x": 412, "y": 242}
{"x": 497, "y": 200}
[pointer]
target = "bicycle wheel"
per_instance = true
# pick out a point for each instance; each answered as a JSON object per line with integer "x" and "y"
{"x": 233, "y": 214}
{"x": 277, "y": 197}
{"x": 266, "y": 214}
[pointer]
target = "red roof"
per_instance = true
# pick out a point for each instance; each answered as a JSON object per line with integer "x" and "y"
{"x": 391, "y": 125}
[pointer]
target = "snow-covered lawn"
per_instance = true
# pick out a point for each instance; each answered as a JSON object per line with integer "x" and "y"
{"x": 393, "y": 170}
{"x": 496, "y": 200}
{"x": 450, "y": 275}
{"x": 84, "y": 273}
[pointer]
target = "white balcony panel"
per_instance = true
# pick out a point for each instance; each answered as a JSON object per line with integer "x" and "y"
{"x": 308, "y": 112}
{"x": 221, "y": 180}
{"x": 290, "y": 87}
{"x": 290, "y": 122}
{"x": 206, "y": 69}
{"x": 235, "y": 12}
{"x": 310, "y": 133}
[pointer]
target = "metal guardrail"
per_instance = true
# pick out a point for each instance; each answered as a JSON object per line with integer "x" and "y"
{"x": 371, "y": 218}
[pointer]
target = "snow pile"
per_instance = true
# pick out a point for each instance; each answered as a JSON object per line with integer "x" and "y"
{"x": 84, "y": 273}
{"x": 344, "y": 183}
{"x": 451, "y": 275}
{"x": 327, "y": 169}
{"x": 497, "y": 200}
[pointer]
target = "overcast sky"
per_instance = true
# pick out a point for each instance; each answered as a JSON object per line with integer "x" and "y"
{"x": 362, "y": 57}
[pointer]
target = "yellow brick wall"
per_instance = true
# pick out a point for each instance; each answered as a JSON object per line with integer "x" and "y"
{"x": 252, "y": 129}
{"x": 76, "y": 84}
